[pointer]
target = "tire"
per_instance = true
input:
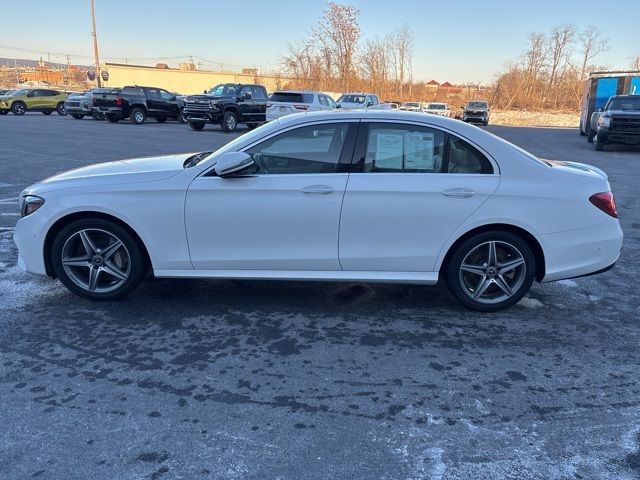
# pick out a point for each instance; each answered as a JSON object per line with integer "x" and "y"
{"x": 99, "y": 116}
{"x": 47, "y": 112}
{"x": 61, "y": 110}
{"x": 181, "y": 116}
{"x": 599, "y": 145}
{"x": 161, "y": 119}
{"x": 113, "y": 118}
{"x": 252, "y": 125}
{"x": 138, "y": 116}
{"x": 84, "y": 267}
{"x": 18, "y": 108}
{"x": 77, "y": 116}
{"x": 4, "y": 112}
{"x": 229, "y": 122}
{"x": 485, "y": 123}
{"x": 196, "y": 125}
{"x": 592, "y": 133}
{"x": 464, "y": 283}
{"x": 582, "y": 133}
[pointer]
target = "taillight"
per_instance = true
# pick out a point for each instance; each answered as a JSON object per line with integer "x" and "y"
{"x": 118, "y": 101}
{"x": 301, "y": 107}
{"x": 605, "y": 202}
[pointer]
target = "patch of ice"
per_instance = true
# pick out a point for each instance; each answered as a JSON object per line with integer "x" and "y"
{"x": 529, "y": 302}
{"x": 567, "y": 283}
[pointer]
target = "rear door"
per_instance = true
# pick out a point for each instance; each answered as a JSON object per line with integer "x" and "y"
{"x": 247, "y": 105}
{"x": 260, "y": 102}
{"x": 36, "y": 99}
{"x": 411, "y": 187}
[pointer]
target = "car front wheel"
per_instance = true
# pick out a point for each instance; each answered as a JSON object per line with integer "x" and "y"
{"x": 18, "y": 108}
{"x": 61, "y": 110}
{"x": 196, "y": 125}
{"x": 97, "y": 259}
{"x": 229, "y": 122}
{"x": 491, "y": 271}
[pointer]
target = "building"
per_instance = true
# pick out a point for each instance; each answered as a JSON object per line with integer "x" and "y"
{"x": 186, "y": 79}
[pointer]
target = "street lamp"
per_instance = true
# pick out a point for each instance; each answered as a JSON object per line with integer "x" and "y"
{"x": 95, "y": 44}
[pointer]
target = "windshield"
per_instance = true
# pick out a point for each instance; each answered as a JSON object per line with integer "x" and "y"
{"x": 411, "y": 104}
{"x": 436, "y": 106}
{"x": 624, "y": 103}
{"x": 224, "y": 89}
{"x": 351, "y": 99}
{"x": 17, "y": 93}
{"x": 477, "y": 105}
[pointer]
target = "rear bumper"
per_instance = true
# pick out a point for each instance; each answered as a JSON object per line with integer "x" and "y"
{"x": 115, "y": 111}
{"x": 578, "y": 253}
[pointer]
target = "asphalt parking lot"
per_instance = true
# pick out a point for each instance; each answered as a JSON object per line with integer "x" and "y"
{"x": 293, "y": 380}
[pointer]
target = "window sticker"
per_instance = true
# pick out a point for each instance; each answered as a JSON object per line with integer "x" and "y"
{"x": 418, "y": 151}
{"x": 388, "y": 154}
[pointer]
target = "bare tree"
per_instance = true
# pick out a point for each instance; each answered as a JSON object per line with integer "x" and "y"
{"x": 560, "y": 42}
{"x": 635, "y": 64}
{"x": 402, "y": 51}
{"x": 591, "y": 44}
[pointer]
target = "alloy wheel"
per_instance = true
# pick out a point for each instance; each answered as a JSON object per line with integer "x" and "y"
{"x": 492, "y": 272}
{"x": 231, "y": 122}
{"x": 139, "y": 116}
{"x": 96, "y": 260}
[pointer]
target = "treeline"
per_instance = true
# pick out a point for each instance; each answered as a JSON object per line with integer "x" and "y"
{"x": 550, "y": 74}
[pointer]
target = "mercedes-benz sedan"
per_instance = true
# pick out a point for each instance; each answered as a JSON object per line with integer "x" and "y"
{"x": 334, "y": 196}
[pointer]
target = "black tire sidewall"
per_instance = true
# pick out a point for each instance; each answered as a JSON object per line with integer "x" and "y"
{"x": 181, "y": 118}
{"x": 138, "y": 267}
{"x": 77, "y": 116}
{"x": 451, "y": 275}
{"x": 113, "y": 119}
{"x": 60, "y": 110}
{"x": 197, "y": 126}
{"x": 13, "y": 108}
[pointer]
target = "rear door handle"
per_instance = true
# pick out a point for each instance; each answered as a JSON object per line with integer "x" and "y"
{"x": 318, "y": 190}
{"x": 459, "y": 193}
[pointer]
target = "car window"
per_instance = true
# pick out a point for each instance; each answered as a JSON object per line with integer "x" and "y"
{"x": 246, "y": 89}
{"x": 38, "y": 93}
{"x": 258, "y": 92}
{"x": 166, "y": 95}
{"x": 310, "y": 149}
{"x": 395, "y": 148}
{"x": 132, "y": 91}
{"x": 465, "y": 158}
{"x": 374, "y": 100}
{"x": 323, "y": 100}
{"x": 152, "y": 92}
{"x": 330, "y": 101}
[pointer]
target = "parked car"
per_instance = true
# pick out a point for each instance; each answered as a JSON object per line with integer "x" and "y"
{"x": 601, "y": 86}
{"x": 5, "y": 92}
{"x": 227, "y": 105}
{"x": 137, "y": 104}
{"x": 79, "y": 105}
{"x": 441, "y": 109}
{"x": 33, "y": 100}
{"x": 411, "y": 106}
{"x": 293, "y": 101}
{"x": 360, "y": 101}
{"x": 408, "y": 198}
{"x": 476, "y": 111}
{"x": 617, "y": 122}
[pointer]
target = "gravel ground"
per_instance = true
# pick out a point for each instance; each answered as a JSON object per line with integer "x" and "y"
{"x": 294, "y": 380}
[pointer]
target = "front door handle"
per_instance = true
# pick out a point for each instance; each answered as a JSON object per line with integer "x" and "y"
{"x": 459, "y": 193}
{"x": 318, "y": 190}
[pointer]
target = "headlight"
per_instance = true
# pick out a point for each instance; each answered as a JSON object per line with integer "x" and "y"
{"x": 604, "y": 121}
{"x": 30, "y": 204}
{"x": 215, "y": 103}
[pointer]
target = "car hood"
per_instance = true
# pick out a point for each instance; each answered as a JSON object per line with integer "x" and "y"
{"x": 117, "y": 172}
{"x": 207, "y": 98}
{"x": 624, "y": 113}
{"x": 351, "y": 105}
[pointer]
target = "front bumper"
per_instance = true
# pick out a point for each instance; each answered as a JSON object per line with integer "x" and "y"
{"x": 203, "y": 116}
{"x": 618, "y": 136}
{"x": 78, "y": 110}
{"x": 29, "y": 236}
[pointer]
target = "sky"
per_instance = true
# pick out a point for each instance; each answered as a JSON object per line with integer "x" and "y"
{"x": 454, "y": 40}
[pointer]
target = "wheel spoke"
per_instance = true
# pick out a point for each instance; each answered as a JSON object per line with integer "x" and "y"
{"x": 504, "y": 286}
{"x": 87, "y": 242}
{"x": 493, "y": 259}
{"x": 114, "y": 271}
{"x": 111, "y": 249}
{"x": 483, "y": 284}
{"x": 94, "y": 273}
{"x": 76, "y": 261}
{"x": 508, "y": 266}
{"x": 475, "y": 269}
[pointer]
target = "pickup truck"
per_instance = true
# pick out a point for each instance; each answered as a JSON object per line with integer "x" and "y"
{"x": 617, "y": 122}
{"x": 137, "y": 103}
{"x": 227, "y": 105}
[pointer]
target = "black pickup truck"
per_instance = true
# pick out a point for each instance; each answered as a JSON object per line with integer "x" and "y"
{"x": 137, "y": 103}
{"x": 617, "y": 122}
{"x": 227, "y": 105}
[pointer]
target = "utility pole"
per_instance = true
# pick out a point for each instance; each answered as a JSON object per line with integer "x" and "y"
{"x": 95, "y": 45}
{"x": 68, "y": 70}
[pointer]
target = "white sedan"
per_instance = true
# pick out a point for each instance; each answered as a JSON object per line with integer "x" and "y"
{"x": 334, "y": 196}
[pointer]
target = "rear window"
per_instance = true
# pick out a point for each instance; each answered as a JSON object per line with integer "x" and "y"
{"x": 292, "y": 97}
{"x": 132, "y": 91}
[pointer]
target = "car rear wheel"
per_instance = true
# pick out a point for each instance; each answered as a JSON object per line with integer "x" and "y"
{"x": 62, "y": 111}
{"x": 229, "y": 122}
{"x": 138, "y": 116}
{"x": 98, "y": 115}
{"x": 97, "y": 259}
{"x": 77, "y": 116}
{"x": 196, "y": 125}
{"x": 18, "y": 108}
{"x": 490, "y": 271}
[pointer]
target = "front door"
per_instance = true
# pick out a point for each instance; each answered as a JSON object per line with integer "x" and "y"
{"x": 285, "y": 216}
{"x": 413, "y": 186}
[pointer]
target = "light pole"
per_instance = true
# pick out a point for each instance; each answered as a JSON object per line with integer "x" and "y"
{"x": 95, "y": 44}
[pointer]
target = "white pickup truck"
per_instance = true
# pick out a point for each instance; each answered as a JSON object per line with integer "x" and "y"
{"x": 361, "y": 101}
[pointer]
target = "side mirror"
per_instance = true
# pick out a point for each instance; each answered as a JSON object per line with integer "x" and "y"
{"x": 204, "y": 91}
{"x": 30, "y": 94}
{"x": 231, "y": 164}
{"x": 369, "y": 104}
{"x": 338, "y": 106}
